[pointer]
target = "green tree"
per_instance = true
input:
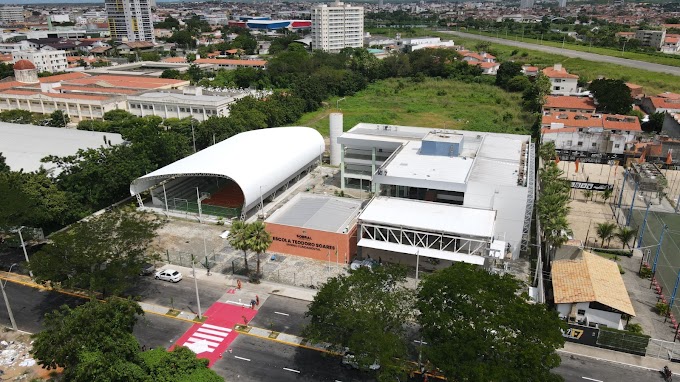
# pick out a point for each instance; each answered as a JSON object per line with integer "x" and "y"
{"x": 606, "y": 231}
{"x": 58, "y": 119}
{"x": 103, "y": 254}
{"x": 3, "y": 165}
{"x": 178, "y": 365}
{"x": 507, "y": 71}
{"x": 625, "y": 235}
{"x": 171, "y": 73}
{"x": 16, "y": 116}
{"x": 518, "y": 84}
{"x": 364, "y": 312}
{"x": 535, "y": 95}
{"x": 259, "y": 240}
{"x": 613, "y": 96}
{"x": 238, "y": 239}
{"x": 480, "y": 328}
{"x": 86, "y": 333}
{"x": 655, "y": 123}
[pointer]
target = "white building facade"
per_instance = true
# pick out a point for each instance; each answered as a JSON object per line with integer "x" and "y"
{"x": 337, "y": 26}
{"x": 10, "y": 14}
{"x": 44, "y": 60}
{"x": 180, "y": 105}
{"x": 130, "y": 20}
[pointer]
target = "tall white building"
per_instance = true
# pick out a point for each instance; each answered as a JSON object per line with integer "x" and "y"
{"x": 44, "y": 60}
{"x": 562, "y": 3}
{"x": 10, "y": 14}
{"x": 337, "y": 26}
{"x": 130, "y": 20}
{"x": 526, "y": 4}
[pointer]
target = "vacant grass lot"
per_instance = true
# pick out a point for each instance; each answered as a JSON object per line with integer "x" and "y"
{"x": 438, "y": 103}
{"x": 653, "y": 83}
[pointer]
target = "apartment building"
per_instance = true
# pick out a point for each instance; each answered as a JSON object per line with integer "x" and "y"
{"x": 561, "y": 81}
{"x": 651, "y": 38}
{"x": 44, "y": 60}
{"x": 10, "y": 14}
{"x": 130, "y": 20}
{"x": 337, "y": 26}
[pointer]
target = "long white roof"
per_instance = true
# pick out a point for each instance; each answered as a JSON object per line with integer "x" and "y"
{"x": 257, "y": 160}
{"x": 429, "y": 216}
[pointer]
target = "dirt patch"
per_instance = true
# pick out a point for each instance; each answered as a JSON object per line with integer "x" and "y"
{"x": 16, "y": 362}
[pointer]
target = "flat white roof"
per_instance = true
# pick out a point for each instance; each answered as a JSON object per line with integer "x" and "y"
{"x": 408, "y": 163}
{"x": 429, "y": 216}
{"x": 323, "y": 213}
{"x": 25, "y": 145}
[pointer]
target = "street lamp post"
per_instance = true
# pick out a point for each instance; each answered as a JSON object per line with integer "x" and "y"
{"x": 23, "y": 246}
{"x": 198, "y": 298}
{"x": 4, "y": 295}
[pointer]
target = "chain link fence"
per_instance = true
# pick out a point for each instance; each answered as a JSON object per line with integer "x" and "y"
{"x": 663, "y": 349}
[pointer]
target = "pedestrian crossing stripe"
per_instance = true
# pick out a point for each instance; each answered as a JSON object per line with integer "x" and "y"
{"x": 209, "y": 335}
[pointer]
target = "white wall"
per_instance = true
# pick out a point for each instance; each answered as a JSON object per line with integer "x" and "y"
{"x": 611, "y": 319}
{"x": 563, "y": 86}
{"x": 603, "y": 143}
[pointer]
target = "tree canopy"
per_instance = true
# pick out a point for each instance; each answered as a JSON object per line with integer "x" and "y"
{"x": 480, "y": 328}
{"x": 613, "y": 96}
{"x": 506, "y": 71}
{"x": 365, "y": 312}
{"x": 94, "y": 342}
{"x": 102, "y": 254}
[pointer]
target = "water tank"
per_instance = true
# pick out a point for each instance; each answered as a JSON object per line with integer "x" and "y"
{"x": 336, "y": 131}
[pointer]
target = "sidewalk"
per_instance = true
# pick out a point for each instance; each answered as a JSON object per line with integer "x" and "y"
{"x": 616, "y": 357}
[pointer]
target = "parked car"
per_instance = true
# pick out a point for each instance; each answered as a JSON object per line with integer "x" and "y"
{"x": 169, "y": 275}
{"x": 350, "y": 360}
{"x": 357, "y": 263}
{"x": 147, "y": 269}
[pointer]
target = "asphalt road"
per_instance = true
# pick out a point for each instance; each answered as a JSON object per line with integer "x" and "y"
{"x": 29, "y": 306}
{"x": 181, "y": 295}
{"x": 576, "y": 54}
{"x": 254, "y": 359}
{"x": 584, "y": 369}
{"x": 282, "y": 314}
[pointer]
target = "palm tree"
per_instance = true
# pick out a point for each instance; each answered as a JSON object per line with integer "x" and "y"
{"x": 259, "y": 240}
{"x": 238, "y": 239}
{"x": 625, "y": 234}
{"x": 587, "y": 194}
{"x": 606, "y": 194}
{"x": 605, "y": 231}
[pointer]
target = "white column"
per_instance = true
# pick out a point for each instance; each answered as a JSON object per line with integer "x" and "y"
{"x": 91, "y": 113}
{"x": 204, "y": 115}
{"x": 166, "y": 110}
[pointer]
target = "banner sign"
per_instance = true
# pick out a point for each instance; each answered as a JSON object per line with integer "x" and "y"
{"x": 591, "y": 186}
{"x": 588, "y": 157}
{"x": 581, "y": 334}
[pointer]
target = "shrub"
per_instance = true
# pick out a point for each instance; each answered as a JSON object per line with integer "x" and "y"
{"x": 634, "y": 328}
{"x": 662, "y": 308}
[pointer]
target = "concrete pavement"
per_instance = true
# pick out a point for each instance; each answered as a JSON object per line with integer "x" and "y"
{"x": 652, "y": 67}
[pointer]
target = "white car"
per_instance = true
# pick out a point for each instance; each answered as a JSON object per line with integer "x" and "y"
{"x": 169, "y": 275}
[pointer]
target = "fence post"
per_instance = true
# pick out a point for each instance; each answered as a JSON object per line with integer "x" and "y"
{"x": 632, "y": 204}
{"x": 675, "y": 289}
{"x": 167, "y": 254}
{"x": 623, "y": 185}
{"x": 232, "y": 268}
{"x": 644, "y": 225}
{"x": 658, "y": 249}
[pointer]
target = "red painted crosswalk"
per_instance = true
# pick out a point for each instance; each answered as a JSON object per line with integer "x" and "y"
{"x": 212, "y": 338}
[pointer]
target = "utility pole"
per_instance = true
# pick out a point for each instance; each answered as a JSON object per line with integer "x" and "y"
{"x": 23, "y": 246}
{"x": 198, "y": 298}
{"x": 9, "y": 309}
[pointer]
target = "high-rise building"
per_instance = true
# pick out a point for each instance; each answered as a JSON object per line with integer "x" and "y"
{"x": 130, "y": 20}
{"x": 526, "y": 4}
{"x": 10, "y": 14}
{"x": 337, "y": 26}
{"x": 562, "y": 3}
{"x": 44, "y": 60}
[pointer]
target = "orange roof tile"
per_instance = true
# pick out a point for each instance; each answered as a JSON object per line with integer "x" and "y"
{"x": 550, "y": 72}
{"x": 569, "y": 102}
{"x": 224, "y": 61}
{"x": 665, "y": 103}
{"x": 175, "y": 59}
{"x": 580, "y": 120}
{"x": 64, "y": 77}
{"x": 132, "y": 82}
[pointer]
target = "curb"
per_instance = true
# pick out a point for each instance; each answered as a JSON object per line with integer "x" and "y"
{"x": 284, "y": 342}
{"x": 606, "y": 360}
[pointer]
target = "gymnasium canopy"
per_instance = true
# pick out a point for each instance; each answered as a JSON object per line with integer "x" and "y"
{"x": 259, "y": 161}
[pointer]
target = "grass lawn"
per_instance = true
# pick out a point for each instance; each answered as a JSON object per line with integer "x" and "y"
{"x": 653, "y": 83}
{"x": 658, "y": 59}
{"x": 438, "y": 103}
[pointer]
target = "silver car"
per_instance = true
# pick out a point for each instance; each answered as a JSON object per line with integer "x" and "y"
{"x": 169, "y": 275}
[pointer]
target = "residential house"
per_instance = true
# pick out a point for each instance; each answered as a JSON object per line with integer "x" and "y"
{"x": 664, "y": 102}
{"x": 530, "y": 71}
{"x": 589, "y": 290}
{"x": 232, "y": 64}
{"x": 671, "y": 44}
{"x": 590, "y": 133}
{"x": 132, "y": 47}
{"x": 561, "y": 81}
{"x": 574, "y": 104}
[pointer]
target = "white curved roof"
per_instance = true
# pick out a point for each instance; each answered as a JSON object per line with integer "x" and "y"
{"x": 258, "y": 158}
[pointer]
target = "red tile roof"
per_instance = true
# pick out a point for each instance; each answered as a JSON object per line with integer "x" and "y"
{"x": 550, "y": 72}
{"x": 224, "y": 61}
{"x": 175, "y": 59}
{"x": 569, "y": 102}
{"x": 131, "y": 82}
{"x": 574, "y": 121}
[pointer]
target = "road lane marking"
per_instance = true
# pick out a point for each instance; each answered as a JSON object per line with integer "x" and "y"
{"x": 237, "y": 303}
{"x": 210, "y": 343}
{"x": 216, "y": 327}
{"x": 293, "y": 370}
{"x": 245, "y": 359}
{"x": 212, "y": 331}
{"x": 283, "y": 314}
{"x": 591, "y": 379}
{"x": 209, "y": 337}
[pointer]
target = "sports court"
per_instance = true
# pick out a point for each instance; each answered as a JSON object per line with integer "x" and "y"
{"x": 668, "y": 260}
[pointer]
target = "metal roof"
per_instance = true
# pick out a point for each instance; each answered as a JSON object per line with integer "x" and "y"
{"x": 429, "y": 216}
{"x": 25, "y": 145}
{"x": 408, "y": 163}
{"x": 259, "y": 161}
{"x": 323, "y": 213}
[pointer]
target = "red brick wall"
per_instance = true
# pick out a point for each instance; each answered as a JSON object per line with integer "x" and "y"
{"x": 313, "y": 243}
